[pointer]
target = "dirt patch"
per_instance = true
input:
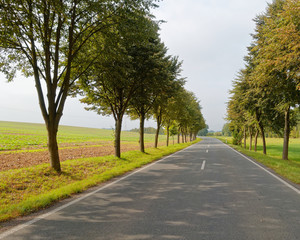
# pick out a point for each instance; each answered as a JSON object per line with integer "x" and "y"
{"x": 26, "y": 159}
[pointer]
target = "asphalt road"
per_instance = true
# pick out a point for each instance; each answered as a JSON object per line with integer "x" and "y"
{"x": 207, "y": 191}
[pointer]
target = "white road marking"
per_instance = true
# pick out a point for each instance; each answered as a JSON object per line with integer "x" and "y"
{"x": 203, "y": 165}
{"x": 206, "y": 150}
{"x": 273, "y": 175}
{"x": 43, "y": 216}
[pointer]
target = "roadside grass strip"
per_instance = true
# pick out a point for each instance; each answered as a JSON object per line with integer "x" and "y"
{"x": 289, "y": 169}
{"x": 26, "y": 190}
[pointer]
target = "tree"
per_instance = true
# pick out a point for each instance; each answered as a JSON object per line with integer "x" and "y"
{"x": 236, "y": 113}
{"x": 163, "y": 107}
{"x": 43, "y": 38}
{"x": 225, "y": 130}
{"x": 188, "y": 114}
{"x": 113, "y": 78}
{"x": 172, "y": 131}
{"x": 153, "y": 73}
{"x": 203, "y": 131}
{"x": 168, "y": 117}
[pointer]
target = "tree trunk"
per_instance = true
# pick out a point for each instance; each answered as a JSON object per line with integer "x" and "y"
{"x": 255, "y": 140}
{"x": 157, "y": 132}
{"x": 142, "y": 142}
{"x": 178, "y": 137}
{"x": 245, "y": 138}
{"x": 262, "y": 131}
{"x": 52, "y": 122}
{"x": 285, "y": 151}
{"x": 250, "y": 135}
{"x": 168, "y": 135}
{"x": 53, "y": 147}
{"x": 118, "y": 127}
{"x": 182, "y": 136}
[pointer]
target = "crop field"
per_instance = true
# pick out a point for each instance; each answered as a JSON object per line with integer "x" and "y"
{"x": 25, "y": 144}
{"x": 289, "y": 169}
{"x": 27, "y": 183}
{"x": 21, "y": 136}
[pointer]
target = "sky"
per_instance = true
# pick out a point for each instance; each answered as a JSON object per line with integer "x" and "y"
{"x": 209, "y": 36}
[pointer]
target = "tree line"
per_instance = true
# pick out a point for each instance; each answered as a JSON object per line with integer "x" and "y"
{"x": 108, "y": 52}
{"x": 266, "y": 92}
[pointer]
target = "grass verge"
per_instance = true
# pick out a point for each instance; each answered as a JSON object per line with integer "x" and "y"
{"x": 289, "y": 169}
{"x": 23, "y": 191}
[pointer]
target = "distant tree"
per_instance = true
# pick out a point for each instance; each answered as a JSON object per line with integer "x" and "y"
{"x": 197, "y": 122}
{"x": 204, "y": 131}
{"x": 226, "y": 130}
{"x": 188, "y": 115}
{"x": 211, "y": 133}
{"x": 173, "y": 130}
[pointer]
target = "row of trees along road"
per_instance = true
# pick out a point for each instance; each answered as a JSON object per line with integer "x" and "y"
{"x": 108, "y": 51}
{"x": 266, "y": 92}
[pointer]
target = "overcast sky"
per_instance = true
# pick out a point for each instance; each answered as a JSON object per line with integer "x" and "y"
{"x": 210, "y": 36}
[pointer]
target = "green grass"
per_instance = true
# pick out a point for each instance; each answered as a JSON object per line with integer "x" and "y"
{"x": 17, "y": 136}
{"x": 26, "y": 190}
{"x": 290, "y": 169}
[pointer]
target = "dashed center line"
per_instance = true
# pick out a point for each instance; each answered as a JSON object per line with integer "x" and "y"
{"x": 203, "y": 165}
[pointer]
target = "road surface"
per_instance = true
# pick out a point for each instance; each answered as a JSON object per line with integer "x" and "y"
{"x": 207, "y": 191}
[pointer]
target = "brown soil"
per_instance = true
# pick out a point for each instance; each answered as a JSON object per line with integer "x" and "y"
{"x": 11, "y": 160}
